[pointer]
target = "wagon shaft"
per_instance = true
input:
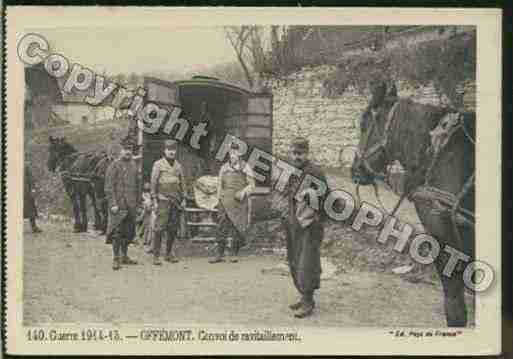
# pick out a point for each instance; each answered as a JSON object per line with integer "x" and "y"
{"x": 444, "y": 202}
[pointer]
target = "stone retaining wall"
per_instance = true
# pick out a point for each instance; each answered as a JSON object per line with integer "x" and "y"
{"x": 300, "y": 108}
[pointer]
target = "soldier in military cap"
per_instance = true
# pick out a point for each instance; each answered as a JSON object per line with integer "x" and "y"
{"x": 121, "y": 189}
{"x": 29, "y": 203}
{"x": 304, "y": 229}
{"x": 168, "y": 195}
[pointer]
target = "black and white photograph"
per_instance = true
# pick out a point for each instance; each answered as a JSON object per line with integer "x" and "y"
{"x": 212, "y": 182}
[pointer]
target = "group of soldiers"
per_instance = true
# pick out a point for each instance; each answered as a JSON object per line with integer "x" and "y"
{"x": 167, "y": 190}
{"x": 304, "y": 227}
{"x": 167, "y": 199}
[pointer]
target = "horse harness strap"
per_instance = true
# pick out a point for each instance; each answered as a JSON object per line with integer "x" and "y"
{"x": 446, "y": 202}
{"x": 443, "y": 200}
{"x": 440, "y": 137}
{"x": 80, "y": 177}
{"x": 381, "y": 145}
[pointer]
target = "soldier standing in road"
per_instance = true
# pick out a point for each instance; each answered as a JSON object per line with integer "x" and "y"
{"x": 304, "y": 228}
{"x": 235, "y": 182}
{"x": 168, "y": 195}
{"x": 29, "y": 203}
{"x": 121, "y": 190}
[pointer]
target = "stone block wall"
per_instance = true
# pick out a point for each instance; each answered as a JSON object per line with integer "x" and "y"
{"x": 300, "y": 108}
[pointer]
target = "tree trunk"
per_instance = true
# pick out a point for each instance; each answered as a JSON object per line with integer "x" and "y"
{"x": 249, "y": 78}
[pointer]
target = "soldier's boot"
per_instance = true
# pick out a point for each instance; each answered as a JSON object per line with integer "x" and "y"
{"x": 149, "y": 243}
{"x": 76, "y": 228}
{"x": 297, "y": 305}
{"x": 126, "y": 259}
{"x": 116, "y": 265}
{"x": 219, "y": 257}
{"x": 170, "y": 257}
{"x": 307, "y": 306}
{"x": 234, "y": 251}
{"x": 157, "y": 241}
{"x": 33, "y": 225}
{"x": 116, "y": 248}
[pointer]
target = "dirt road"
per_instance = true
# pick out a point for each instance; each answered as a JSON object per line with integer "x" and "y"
{"x": 68, "y": 278}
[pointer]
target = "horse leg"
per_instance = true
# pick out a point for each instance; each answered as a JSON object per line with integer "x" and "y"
{"x": 457, "y": 307}
{"x": 83, "y": 210}
{"x": 439, "y": 226}
{"x": 97, "y": 218}
{"x": 454, "y": 294}
{"x": 105, "y": 211}
{"x": 70, "y": 190}
{"x": 102, "y": 205}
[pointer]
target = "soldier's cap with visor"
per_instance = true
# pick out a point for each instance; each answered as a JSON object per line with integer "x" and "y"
{"x": 234, "y": 146}
{"x": 170, "y": 144}
{"x": 300, "y": 144}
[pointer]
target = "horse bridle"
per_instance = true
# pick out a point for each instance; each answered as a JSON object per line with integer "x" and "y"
{"x": 378, "y": 146}
{"x": 381, "y": 146}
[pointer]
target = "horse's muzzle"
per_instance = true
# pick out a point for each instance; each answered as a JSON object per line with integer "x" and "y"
{"x": 361, "y": 176}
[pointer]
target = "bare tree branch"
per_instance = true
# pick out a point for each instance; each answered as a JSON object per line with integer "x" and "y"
{"x": 238, "y": 48}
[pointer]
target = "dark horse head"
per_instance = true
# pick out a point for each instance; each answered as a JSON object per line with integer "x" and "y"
{"x": 370, "y": 160}
{"x": 59, "y": 149}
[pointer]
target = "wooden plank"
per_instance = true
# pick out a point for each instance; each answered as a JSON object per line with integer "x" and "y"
{"x": 203, "y": 239}
{"x": 202, "y": 224}
{"x": 162, "y": 92}
{"x": 191, "y": 209}
{"x": 260, "y": 104}
{"x": 258, "y": 132}
{"x": 260, "y": 191}
{"x": 259, "y": 120}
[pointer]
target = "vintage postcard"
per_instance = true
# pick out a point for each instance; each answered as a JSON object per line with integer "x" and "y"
{"x": 253, "y": 181}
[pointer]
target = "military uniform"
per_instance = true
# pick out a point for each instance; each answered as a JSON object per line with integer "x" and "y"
{"x": 122, "y": 191}
{"x": 304, "y": 237}
{"x": 29, "y": 203}
{"x": 167, "y": 188}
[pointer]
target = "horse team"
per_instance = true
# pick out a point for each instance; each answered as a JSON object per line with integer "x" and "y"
{"x": 83, "y": 176}
{"x": 391, "y": 129}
